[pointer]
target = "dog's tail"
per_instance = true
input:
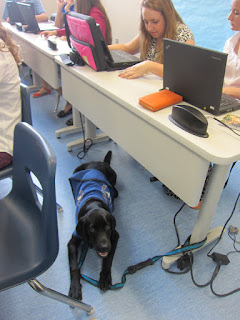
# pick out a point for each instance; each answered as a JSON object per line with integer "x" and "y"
{"x": 108, "y": 157}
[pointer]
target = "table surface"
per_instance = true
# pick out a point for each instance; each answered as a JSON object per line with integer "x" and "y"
{"x": 38, "y": 56}
{"x": 221, "y": 147}
{"x": 37, "y": 41}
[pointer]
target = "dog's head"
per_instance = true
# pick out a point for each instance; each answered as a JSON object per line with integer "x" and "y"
{"x": 97, "y": 228}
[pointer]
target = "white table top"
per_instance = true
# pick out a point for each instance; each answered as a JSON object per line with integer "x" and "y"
{"x": 221, "y": 147}
{"x": 39, "y": 42}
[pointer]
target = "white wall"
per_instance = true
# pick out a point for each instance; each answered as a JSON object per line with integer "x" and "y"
{"x": 124, "y": 21}
{"x": 124, "y": 16}
{"x": 50, "y": 6}
{"x": 2, "y": 2}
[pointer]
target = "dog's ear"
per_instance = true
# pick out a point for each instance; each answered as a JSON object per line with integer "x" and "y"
{"x": 112, "y": 222}
{"x": 81, "y": 229}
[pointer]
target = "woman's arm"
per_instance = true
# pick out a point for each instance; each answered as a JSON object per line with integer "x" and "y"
{"x": 48, "y": 33}
{"x": 41, "y": 17}
{"x": 59, "y": 15}
{"x": 142, "y": 68}
{"x": 232, "y": 91}
{"x": 190, "y": 42}
{"x": 131, "y": 47}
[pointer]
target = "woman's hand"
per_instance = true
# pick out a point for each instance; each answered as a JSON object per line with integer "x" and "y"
{"x": 61, "y": 3}
{"x": 135, "y": 71}
{"x": 68, "y": 5}
{"x": 141, "y": 68}
{"x": 232, "y": 91}
{"x": 47, "y": 34}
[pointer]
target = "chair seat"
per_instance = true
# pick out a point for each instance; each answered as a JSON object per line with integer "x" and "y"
{"x": 6, "y": 172}
{"x": 23, "y": 247}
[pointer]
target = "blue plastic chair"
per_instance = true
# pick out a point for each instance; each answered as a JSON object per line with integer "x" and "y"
{"x": 26, "y": 117}
{"x": 28, "y": 226}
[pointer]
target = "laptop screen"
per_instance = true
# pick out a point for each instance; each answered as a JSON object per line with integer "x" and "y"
{"x": 28, "y": 14}
{"x": 14, "y": 13}
{"x": 195, "y": 73}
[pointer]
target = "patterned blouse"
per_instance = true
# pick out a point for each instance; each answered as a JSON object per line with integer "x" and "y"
{"x": 183, "y": 34}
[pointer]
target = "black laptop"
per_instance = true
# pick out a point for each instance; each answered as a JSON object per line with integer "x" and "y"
{"x": 28, "y": 14}
{"x": 117, "y": 59}
{"x": 14, "y": 13}
{"x": 197, "y": 74}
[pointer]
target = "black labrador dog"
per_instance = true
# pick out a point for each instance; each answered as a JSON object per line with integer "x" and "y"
{"x": 93, "y": 186}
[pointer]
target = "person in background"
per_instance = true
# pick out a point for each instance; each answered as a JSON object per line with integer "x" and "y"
{"x": 41, "y": 16}
{"x": 40, "y": 12}
{"x": 10, "y": 102}
{"x": 232, "y": 73}
{"x": 62, "y": 7}
{"x": 95, "y": 9}
{"x": 159, "y": 19}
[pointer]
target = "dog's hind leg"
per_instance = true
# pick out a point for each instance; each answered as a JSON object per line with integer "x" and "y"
{"x": 75, "y": 290}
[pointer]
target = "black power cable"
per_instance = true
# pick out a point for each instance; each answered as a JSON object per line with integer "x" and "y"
{"x": 85, "y": 146}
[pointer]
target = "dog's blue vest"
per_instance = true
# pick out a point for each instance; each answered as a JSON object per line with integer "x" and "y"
{"x": 90, "y": 183}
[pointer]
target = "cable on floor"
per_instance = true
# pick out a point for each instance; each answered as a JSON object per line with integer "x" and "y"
{"x": 85, "y": 141}
{"x": 220, "y": 259}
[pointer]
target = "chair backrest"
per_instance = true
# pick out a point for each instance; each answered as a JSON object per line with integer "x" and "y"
{"x": 32, "y": 235}
{"x": 26, "y": 106}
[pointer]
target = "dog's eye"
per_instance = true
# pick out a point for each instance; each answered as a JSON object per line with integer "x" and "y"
{"x": 107, "y": 228}
{"x": 91, "y": 229}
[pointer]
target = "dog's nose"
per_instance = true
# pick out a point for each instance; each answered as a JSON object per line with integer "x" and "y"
{"x": 104, "y": 246}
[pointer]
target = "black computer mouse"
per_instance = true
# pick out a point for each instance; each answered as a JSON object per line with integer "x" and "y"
{"x": 190, "y": 119}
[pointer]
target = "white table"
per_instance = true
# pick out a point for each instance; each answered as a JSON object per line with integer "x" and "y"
{"x": 178, "y": 159}
{"x": 37, "y": 55}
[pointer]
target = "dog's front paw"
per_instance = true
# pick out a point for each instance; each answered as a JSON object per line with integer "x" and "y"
{"x": 105, "y": 281}
{"x": 75, "y": 291}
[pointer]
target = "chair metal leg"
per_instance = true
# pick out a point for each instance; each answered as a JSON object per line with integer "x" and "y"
{"x": 57, "y": 102}
{"x": 38, "y": 287}
{"x": 39, "y": 190}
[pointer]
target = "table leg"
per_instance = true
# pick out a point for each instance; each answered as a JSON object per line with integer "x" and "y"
{"x": 212, "y": 195}
{"x": 75, "y": 128}
{"x": 37, "y": 82}
{"x": 90, "y": 130}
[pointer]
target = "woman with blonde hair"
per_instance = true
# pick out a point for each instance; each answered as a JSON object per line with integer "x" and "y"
{"x": 159, "y": 19}
{"x": 10, "y": 102}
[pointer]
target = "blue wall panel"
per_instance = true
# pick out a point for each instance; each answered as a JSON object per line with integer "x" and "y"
{"x": 208, "y": 21}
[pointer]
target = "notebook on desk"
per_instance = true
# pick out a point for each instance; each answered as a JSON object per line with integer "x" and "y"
{"x": 197, "y": 74}
{"x": 28, "y": 15}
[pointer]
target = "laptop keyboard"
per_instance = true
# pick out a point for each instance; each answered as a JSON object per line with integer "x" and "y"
{"x": 224, "y": 104}
{"x": 121, "y": 56}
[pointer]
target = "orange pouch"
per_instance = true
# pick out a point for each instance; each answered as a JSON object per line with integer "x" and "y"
{"x": 159, "y": 100}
